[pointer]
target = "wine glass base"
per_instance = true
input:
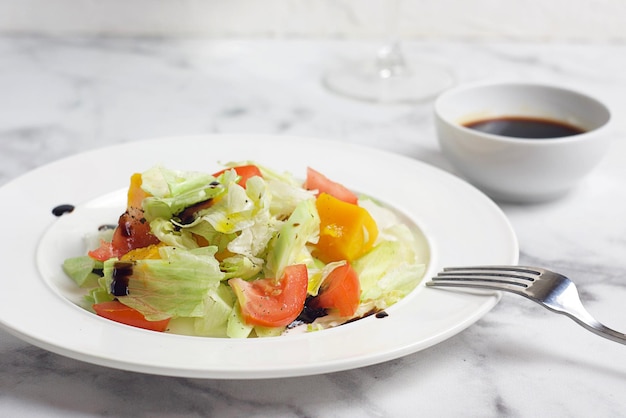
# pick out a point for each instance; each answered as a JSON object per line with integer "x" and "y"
{"x": 420, "y": 82}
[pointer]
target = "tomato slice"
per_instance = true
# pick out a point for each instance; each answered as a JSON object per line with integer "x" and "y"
{"x": 130, "y": 234}
{"x": 103, "y": 252}
{"x": 118, "y": 312}
{"x": 269, "y": 303}
{"x": 341, "y": 290}
{"x": 317, "y": 181}
{"x": 132, "y": 231}
{"x": 243, "y": 171}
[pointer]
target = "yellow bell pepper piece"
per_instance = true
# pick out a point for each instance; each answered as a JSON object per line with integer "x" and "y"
{"x": 151, "y": 252}
{"x": 347, "y": 231}
{"x": 136, "y": 194}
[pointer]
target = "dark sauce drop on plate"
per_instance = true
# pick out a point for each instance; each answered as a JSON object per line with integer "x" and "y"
{"x": 62, "y": 210}
{"x": 525, "y": 127}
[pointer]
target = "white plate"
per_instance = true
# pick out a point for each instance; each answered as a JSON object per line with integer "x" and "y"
{"x": 461, "y": 226}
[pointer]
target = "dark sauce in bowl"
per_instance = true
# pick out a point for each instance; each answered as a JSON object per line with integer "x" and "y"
{"x": 525, "y": 127}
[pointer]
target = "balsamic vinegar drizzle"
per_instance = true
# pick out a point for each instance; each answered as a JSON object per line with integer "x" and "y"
{"x": 122, "y": 270}
{"x": 62, "y": 209}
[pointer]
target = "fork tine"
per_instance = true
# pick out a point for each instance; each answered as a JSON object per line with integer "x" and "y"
{"x": 511, "y": 278}
{"x": 518, "y": 275}
{"x": 477, "y": 282}
{"x": 505, "y": 270}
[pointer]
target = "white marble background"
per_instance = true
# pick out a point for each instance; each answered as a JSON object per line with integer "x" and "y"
{"x": 65, "y": 95}
{"x": 520, "y": 20}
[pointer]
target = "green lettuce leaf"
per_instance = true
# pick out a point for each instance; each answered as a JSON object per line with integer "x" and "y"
{"x": 174, "y": 286}
{"x": 218, "y": 306}
{"x": 391, "y": 269}
{"x": 290, "y": 245}
{"x": 172, "y": 191}
{"x": 81, "y": 270}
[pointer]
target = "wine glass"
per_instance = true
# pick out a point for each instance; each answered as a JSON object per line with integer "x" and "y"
{"x": 389, "y": 78}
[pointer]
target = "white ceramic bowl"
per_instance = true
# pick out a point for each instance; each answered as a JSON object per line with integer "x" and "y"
{"x": 521, "y": 169}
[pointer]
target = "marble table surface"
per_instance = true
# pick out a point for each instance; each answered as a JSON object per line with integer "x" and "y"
{"x": 61, "y": 96}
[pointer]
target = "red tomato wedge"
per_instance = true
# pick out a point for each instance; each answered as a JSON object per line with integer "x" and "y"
{"x": 243, "y": 171}
{"x": 104, "y": 251}
{"x": 341, "y": 290}
{"x": 132, "y": 231}
{"x": 268, "y": 303}
{"x": 317, "y": 181}
{"x": 118, "y": 312}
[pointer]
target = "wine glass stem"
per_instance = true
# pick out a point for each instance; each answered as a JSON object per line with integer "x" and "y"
{"x": 390, "y": 60}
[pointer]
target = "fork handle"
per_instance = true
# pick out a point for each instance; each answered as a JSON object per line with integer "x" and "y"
{"x": 599, "y": 329}
{"x": 604, "y": 331}
{"x": 570, "y": 305}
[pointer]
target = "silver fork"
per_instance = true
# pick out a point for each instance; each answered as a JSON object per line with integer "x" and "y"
{"x": 549, "y": 289}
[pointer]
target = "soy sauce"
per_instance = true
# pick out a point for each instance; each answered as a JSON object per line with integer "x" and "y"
{"x": 525, "y": 127}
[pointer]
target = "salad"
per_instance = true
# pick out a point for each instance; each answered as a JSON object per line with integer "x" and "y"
{"x": 245, "y": 252}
